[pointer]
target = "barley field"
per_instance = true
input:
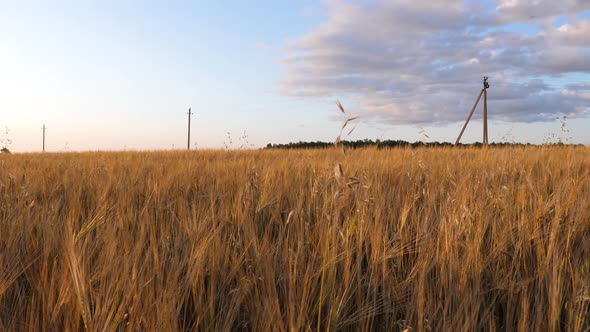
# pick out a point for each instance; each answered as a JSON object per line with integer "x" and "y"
{"x": 424, "y": 239}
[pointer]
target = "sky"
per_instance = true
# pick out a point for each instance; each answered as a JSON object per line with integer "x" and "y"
{"x": 121, "y": 75}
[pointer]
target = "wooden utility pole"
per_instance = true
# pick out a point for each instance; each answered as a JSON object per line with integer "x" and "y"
{"x": 485, "y": 116}
{"x": 44, "y": 138}
{"x": 188, "y": 144}
{"x": 483, "y": 92}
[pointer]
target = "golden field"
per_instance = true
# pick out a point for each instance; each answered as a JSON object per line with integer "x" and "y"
{"x": 424, "y": 239}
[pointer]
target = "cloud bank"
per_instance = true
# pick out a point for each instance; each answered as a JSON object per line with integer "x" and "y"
{"x": 414, "y": 62}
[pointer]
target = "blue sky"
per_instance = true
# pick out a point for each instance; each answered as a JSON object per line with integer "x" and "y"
{"x": 109, "y": 76}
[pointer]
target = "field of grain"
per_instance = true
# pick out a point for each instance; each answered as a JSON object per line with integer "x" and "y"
{"x": 403, "y": 239}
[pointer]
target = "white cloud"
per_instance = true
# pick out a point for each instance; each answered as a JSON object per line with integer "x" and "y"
{"x": 420, "y": 62}
{"x": 264, "y": 46}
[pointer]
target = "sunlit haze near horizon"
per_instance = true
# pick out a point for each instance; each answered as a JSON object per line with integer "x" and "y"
{"x": 115, "y": 75}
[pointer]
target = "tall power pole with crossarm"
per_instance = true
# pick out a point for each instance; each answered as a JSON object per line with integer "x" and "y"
{"x": 44, "y": 137}
{"x": 188, "y": 143}
{"x": 484, "y": 92}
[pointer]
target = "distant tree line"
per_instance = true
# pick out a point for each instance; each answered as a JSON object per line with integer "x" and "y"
{"x": 384, "y": 144}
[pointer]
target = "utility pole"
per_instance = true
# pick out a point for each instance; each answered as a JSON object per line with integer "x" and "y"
{"x": 44, "y": 138}
{"x": 483, "y": 92}
{"x": 188, "y": 143}
{"x": 485, "y": 111}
